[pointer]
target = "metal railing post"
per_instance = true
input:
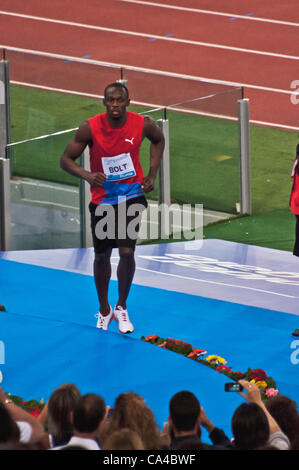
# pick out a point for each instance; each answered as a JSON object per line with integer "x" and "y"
{"x": 164, "y": 172}
{"x": 86, "y": 236}
{"x": 5, "y": 212}
{"x": 244, "y": 143}
{"x": 4, "y": 107}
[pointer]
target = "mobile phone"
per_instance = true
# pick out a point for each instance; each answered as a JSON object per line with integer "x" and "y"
{"x": 233, "y": 387}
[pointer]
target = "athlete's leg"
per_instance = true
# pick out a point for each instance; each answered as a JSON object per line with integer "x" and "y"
{"x": 102, "y": 275}
{"x": 125, "y": 274}
{"x": 296, "y": 246}
{"x": 126, "y": 265}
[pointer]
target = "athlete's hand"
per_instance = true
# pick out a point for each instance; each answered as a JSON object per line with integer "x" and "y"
{"x": 96, "y": 179}
{"x": 148, "y": 183}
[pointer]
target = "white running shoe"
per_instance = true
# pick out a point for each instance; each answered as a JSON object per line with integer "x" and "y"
{"x": 122, "y": 317}
{"x": 104, "y": 320}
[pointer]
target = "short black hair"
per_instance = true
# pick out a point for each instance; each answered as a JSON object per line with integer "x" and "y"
{"x": 297, "y": 150}
{"x": 89, "y": 412}
{"x": 119, "y": 85}
{"x": 184, "y": 409}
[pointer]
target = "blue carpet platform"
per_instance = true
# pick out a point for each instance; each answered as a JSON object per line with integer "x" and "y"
{"x": 237, "y": 301}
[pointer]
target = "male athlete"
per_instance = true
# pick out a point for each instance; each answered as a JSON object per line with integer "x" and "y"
{"x": 116, "y": 181}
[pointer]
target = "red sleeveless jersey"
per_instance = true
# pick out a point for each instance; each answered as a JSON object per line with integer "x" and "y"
{"x": 294, "y": 197}
{"x": 115, "y": 152}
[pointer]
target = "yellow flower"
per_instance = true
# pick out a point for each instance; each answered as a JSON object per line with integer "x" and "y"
{"x": 215, "y": 359}
{"x": 261, "y": 383}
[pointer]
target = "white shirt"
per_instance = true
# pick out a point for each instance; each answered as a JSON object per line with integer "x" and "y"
{"x": 89, "y": 444}
{"x": 279, "y": 440}
{"x": 25, "y": 431}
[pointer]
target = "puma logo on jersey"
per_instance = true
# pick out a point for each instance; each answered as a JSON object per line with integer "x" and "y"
{"x": 130, "y": 140}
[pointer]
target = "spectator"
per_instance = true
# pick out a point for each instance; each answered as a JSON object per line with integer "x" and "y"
{"x": 9, "y": 430}
{"x": 29, "y": 428}
{"x": 294, "y": 200}
{"x": 186, "y": 417}
{"x": 285, "y": 412}
{"x": 88, "y": 419}
{"x": 130, "y": 411}
{"x": 57, "y": 414}
{"x": 13, "y": 445}
{"x": 252, "y": 424}
{"x": 192, "y": 444}
{"x": 250, "y": 427}
{"x": 124, "y": 439}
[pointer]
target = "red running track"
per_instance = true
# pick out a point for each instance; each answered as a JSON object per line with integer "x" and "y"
{"x": 273, "y": 9}
{"x": 182, "y": 51}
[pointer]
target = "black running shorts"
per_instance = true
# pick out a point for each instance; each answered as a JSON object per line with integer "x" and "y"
{"x": 296, "y": 246}
{"x": 117, "y": 225}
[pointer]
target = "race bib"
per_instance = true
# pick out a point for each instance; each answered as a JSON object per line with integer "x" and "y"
{"x": 119, "y": 167}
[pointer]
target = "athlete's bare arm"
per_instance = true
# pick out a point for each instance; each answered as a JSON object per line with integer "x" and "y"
{"x": 73, "y": 150}
{"x": 153, "y": 132}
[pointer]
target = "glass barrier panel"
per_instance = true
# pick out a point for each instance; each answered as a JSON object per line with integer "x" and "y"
{"x": 45, "y": 200}
{"x": 48, "y": 94}
{"x": 204, "y": 158}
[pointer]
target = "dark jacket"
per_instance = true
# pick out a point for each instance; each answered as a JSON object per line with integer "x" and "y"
{"x": 219, "y": 439}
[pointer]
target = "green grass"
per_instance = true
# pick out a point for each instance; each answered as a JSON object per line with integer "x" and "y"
{"x": 272, "y": 157}
{"x": 274, "y": 229}
{"x": 204, "y": 161}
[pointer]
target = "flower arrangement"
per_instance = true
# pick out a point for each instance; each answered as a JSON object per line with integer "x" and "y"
{"x": 175, "y": 345}
{"x": 266, "y": 384}
{"x": 33, "y": 407}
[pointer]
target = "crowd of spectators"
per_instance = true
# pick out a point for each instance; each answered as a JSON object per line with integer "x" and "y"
{"x": 72, "y": 421}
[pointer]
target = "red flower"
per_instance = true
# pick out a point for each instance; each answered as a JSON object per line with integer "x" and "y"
{"x": 150, "y": 338}
{"x": 239, "y": 375}
{"x": 192, "y": 355}
{"x": 199, "y": 352}
{"x": 223, "y": 368}
{"x": 34, "y": 411}
{"x": 258, "y": 374}
{"x": 174, "y": 341}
